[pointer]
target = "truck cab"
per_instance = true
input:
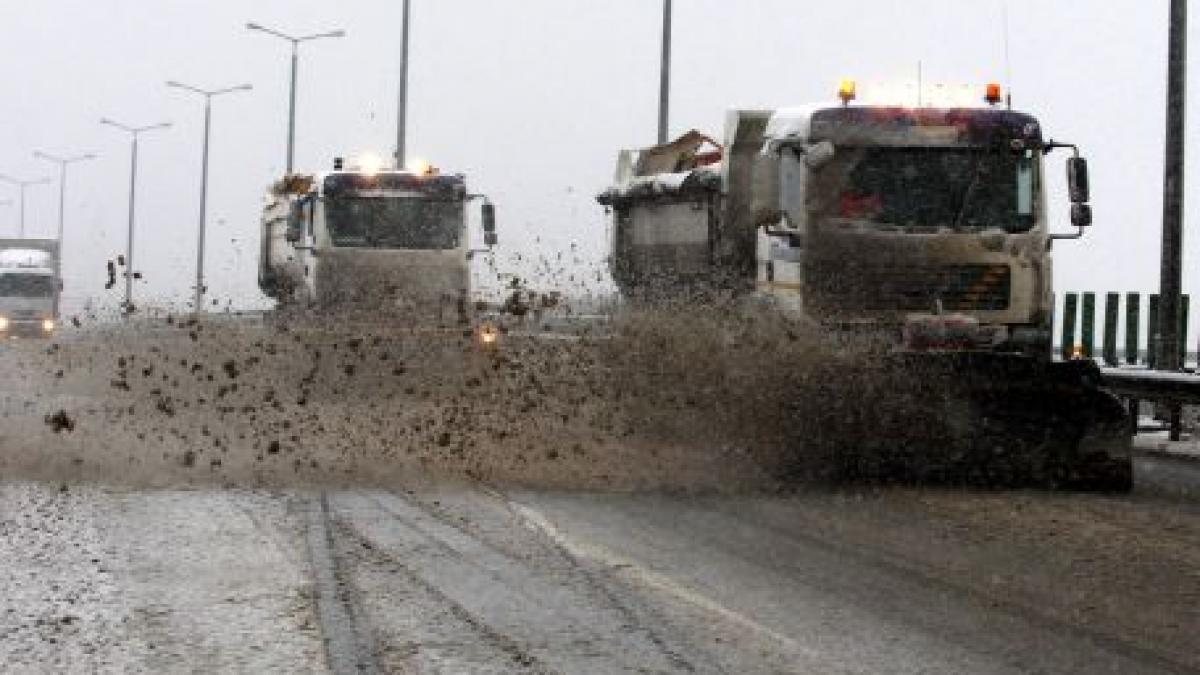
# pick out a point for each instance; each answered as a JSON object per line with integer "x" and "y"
{"x": 29, "y": 287}
{"x": 384, "y": 241}
{"x": 918, "y": 226}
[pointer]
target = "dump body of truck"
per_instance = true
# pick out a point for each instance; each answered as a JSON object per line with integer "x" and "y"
{"x": 381, "y": 241}
{"x": 921, "y": 230}
{"x": 29, "y": 287}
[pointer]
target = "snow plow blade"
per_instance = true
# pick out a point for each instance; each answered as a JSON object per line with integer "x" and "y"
{"x": 995, "y": 420}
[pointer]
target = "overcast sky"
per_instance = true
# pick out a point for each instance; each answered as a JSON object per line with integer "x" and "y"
{"x": 531, "y": 99}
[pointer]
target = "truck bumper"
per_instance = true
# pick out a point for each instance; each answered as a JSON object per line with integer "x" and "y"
{"x": 34, "y": 328}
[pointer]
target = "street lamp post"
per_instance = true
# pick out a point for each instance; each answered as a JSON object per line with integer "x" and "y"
{"x": 1170, "y": 293}
{"x": 23, "y": 184}
{"x": 208, "y": 96}
{"x": 664, "y": 80}
{"x": 402, "y": 111}
{"x": 291, "y": 144}
{"x": 62, "y": 163}
{"x": 133, "y": 132}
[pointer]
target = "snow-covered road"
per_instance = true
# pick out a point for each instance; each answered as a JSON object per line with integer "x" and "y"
{"x": 459, "y": 577}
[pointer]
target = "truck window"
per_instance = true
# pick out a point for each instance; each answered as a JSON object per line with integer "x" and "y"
{"x": 296, "y": 220}
{"x": 394, "y": 222}
{"x": 1025, "y": 185}
{"x": 24, "y": 285}
{"x": 931, "y": 187}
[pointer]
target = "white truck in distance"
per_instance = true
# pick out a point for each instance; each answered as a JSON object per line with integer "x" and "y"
{"x": 29, "y": 287}
{"x": 391, "y": 242}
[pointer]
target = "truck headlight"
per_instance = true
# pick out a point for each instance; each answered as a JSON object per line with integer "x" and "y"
{"x": 488, "y": 335}
{"x": 3, "y": 323}
{"x": 48, "y": 325}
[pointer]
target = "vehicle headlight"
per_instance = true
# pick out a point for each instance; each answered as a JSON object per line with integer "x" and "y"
{"x": 48, "y": 325}
{"x": 488, "y": 335}
{"x": 3, "y": 323}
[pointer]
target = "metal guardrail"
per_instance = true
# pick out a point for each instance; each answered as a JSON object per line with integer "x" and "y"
{"x": 1173, "y": 390}
{"x": 1140, "y": 384}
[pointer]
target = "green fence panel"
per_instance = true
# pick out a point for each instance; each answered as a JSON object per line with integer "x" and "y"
{"x": 1087, "y": 330}
{"x": 1152, "y": 333}
{"x": 1183, "y": 329}
{"x": 1133, "y": 324}
{"x": 1112, "y": 312}
{"x": 1070, "y": 314}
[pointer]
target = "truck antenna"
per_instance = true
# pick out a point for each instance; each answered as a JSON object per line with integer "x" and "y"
{"x": 1005, "y": 27}
{"x": 920, "y": 82}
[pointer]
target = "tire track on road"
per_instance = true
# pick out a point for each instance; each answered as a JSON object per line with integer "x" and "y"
{"x": 346, "y": 651}
{"x": 503, "y": 643}
{"x": 603, "y": 591}
{"x": 637, "y": 573}
{"x": 537, "y": 521}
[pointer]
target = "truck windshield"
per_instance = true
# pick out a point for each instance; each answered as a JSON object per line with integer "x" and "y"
{"x": 25, "y": 285}
{"x": 394, "y": 222}
{"x": 930, "y": 187}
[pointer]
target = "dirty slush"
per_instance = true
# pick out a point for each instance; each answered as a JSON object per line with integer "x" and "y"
{"x": 721, "y": 400}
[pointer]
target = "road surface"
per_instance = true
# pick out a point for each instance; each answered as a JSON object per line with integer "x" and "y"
{"x": 447, "y": 577}
{"x": 147, "y": 532}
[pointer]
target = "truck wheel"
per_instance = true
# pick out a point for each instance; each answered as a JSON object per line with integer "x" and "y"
{"x": 1103, "y": 475}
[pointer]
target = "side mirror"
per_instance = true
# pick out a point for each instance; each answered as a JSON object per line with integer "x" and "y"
{"x": 489, "y": 224}
{"x": 818, "y": 155}
{"x": 1077, "y": 180}
{"x": 489, "y": 217}
{"x": 1081, "y": 215}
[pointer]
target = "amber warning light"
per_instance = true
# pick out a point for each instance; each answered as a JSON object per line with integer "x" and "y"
{"x": 994, "y": 95}
{"x": 848, "y": 91}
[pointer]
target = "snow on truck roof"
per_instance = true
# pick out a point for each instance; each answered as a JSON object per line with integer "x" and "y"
{"x": 789, "y": 123}
{"x": 852, "y": 124}
{"x": 689, "y": 165}
{"x": 336, "y": 182}
{"x": 695, "y": 181}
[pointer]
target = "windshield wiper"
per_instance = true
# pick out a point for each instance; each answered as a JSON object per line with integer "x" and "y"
{"x": 971, "y": 187}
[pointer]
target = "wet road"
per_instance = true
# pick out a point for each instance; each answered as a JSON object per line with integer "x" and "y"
{"x": 124, "y": 553}
{"x": 466, "y": 578}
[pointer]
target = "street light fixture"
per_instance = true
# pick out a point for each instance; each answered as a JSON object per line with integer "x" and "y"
{"x": 23, "y": 184}
{"x": 62, "y": 163}
{"x": 291, "y": 145}
{"x": 133, "y": 132}
{"x": 208, "y": 96}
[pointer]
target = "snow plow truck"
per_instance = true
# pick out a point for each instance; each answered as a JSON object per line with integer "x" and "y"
{"x": 922, "y": 230}
{"x": 373, "y": 241}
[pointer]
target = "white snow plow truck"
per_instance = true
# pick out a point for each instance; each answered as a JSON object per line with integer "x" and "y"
{"x": 29, "y": 287}
{"x": 923, "y": 230}
{"x": 387, "y": 242}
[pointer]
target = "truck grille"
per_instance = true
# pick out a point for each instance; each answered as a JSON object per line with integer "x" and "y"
{"x": 959, "y": 287}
